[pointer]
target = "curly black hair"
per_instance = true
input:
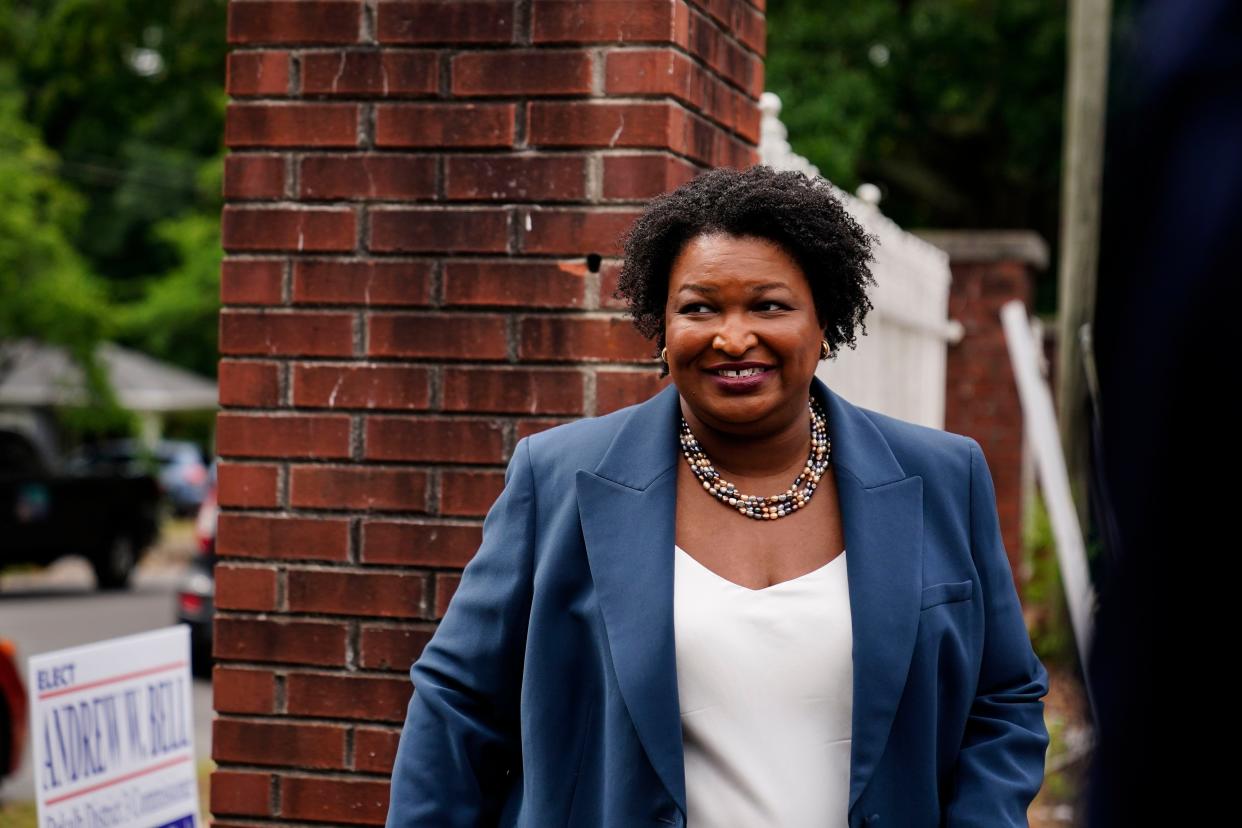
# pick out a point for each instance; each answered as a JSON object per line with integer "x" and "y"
{"x": 799, "y": 213}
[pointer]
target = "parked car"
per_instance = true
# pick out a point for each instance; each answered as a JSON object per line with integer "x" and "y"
{"x": 196, "y": 590}
{"x": 47, "y": 511}
{"x": 177, "y": 464}
{"x": 13, "y": 720}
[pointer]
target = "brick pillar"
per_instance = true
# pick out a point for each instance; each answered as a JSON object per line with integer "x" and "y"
{"x": 990, "y": 267}
{"x": 423, "y": 206}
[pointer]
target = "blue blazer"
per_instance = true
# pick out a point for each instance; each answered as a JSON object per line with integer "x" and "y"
{"x": 548, "y": 694}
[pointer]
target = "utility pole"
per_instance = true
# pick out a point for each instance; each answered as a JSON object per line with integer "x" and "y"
{"x": 1081, "y": 180}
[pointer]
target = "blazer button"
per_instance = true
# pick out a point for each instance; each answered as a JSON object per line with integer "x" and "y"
{"x": 873, "y": 819}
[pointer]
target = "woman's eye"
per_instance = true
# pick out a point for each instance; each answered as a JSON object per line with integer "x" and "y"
{"x": 695, "y": 307}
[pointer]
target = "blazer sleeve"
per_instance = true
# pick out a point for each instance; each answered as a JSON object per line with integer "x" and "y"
{"x": 460, "y": 741}
{"x": 1000, "y": 765}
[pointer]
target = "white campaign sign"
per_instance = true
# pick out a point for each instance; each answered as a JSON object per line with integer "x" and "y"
{"x": 112, "y": 728}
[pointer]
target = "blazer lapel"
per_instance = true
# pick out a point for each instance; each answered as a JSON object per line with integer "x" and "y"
{"x": 627, "y": 506}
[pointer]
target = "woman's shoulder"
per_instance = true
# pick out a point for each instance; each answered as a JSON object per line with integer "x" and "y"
{"x": 577, "y": 444}
{"x": 922, "y": 449}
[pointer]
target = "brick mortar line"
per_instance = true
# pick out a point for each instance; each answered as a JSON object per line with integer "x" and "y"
{"x": 446, "y": 49}
{"x": 268, "y": 512}
{"x": 336, "y": 774}
{"x": 300, "y": 719}
{"x": 359, "y": 99}
{"x": 504, "y": 152}
{"x": 368, "y": 23}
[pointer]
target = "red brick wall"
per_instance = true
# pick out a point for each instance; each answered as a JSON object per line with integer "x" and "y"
{"x": 412, "y": 193}
{"x": 989, "y": 269}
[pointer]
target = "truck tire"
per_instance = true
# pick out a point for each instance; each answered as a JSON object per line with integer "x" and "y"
{"x": 200, "y": 657}
{"x": 115, "y": 563}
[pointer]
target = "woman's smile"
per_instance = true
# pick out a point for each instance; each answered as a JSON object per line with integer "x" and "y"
{"x": 741, "y": 379}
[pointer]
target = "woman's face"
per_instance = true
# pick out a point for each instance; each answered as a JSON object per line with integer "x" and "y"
{"x": 738, "y": 302}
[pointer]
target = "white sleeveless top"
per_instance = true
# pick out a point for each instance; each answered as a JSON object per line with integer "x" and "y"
{"x": 765, "y": 680}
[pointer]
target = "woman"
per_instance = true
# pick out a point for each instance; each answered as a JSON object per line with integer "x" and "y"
{"x": 662, "y": 625}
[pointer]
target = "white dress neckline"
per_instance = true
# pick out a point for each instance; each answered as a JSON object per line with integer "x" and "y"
{"x": 806, "y": 576}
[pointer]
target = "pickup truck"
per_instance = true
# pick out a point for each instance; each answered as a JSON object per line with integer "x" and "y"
{"x": 46, "y": 513}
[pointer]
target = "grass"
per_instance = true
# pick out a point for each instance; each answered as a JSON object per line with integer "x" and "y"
{"x": 18, "y": 815}
{"x": 205, "y": 769}
{"x": 1066, "y": 710}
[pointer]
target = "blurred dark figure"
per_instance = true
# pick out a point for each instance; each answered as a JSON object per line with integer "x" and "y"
{"x": 1165, "y": 443}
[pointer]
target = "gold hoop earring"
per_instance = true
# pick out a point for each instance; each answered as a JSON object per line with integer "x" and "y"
{"x": 664, "y": 355}
{"x": 823, "y": 349}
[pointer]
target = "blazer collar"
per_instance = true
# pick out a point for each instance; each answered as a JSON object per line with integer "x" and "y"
{"x": 627, "y": 506}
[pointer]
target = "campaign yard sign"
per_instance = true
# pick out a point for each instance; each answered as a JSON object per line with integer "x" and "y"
{"x": 112, "y": 727}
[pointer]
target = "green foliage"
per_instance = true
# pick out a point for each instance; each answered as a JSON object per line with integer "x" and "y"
{"x": 46, "y": 288}
{"x": 1051, "y": 632}
{"x": 175, "y": 316}
{"x": 952, "y": 107}
{"x": 131, "y": 97}
{"x": 111, "y": 117}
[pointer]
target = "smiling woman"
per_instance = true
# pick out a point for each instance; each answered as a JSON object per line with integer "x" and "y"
{"x": 651, "y": 639}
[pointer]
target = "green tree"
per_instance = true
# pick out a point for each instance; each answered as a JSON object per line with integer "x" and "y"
{"x": 46, "y": 288}
{"x": 130, "y": 96}
{"x": 176, "y": 317}
{"x": 129, "y": 99}
{"x": 111, "y": 117}
{"x": 952, "y": 107}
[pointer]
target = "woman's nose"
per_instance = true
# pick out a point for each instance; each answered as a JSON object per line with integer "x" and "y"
{"x": 734, "y": 339}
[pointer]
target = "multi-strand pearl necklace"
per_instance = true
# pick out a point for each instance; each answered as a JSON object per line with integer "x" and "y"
{"x": 774, "y": 506}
